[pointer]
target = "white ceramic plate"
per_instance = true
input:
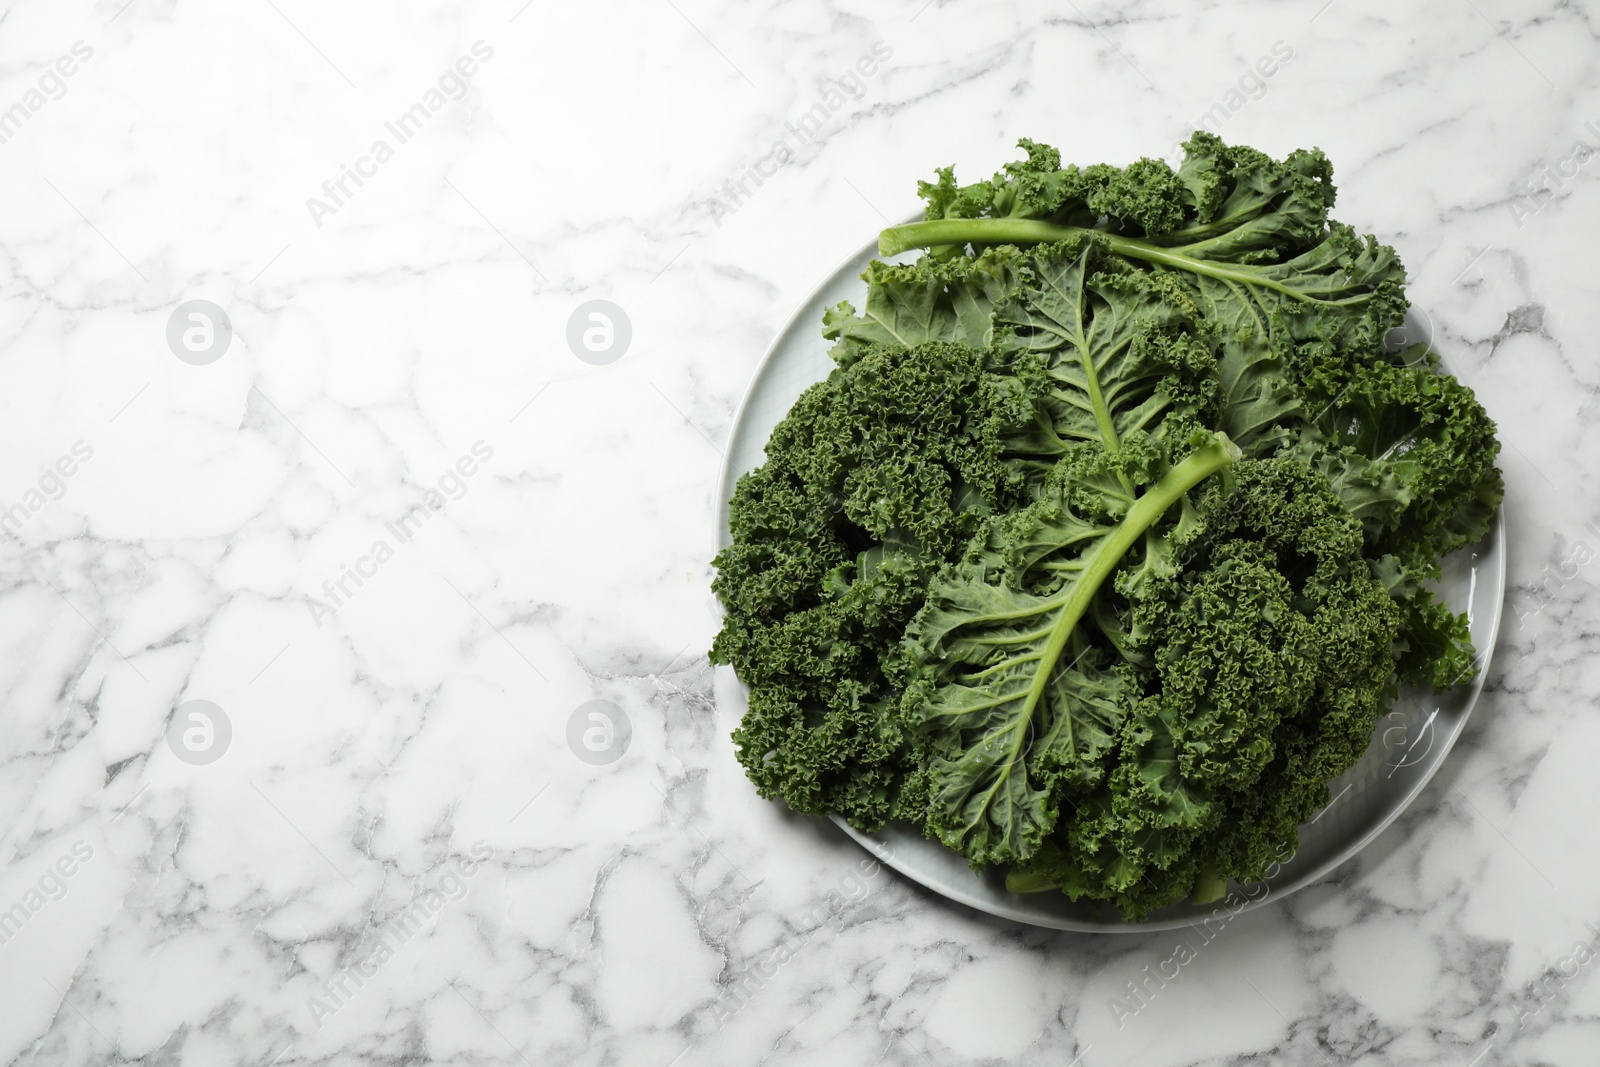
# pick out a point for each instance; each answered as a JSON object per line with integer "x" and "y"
{"x": 1408, "y": 745}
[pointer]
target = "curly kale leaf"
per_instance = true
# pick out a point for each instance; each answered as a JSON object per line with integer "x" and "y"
{"x": 1411, "y": 452}
{"x": 929, "y": 300}
{"x": 874, "y": 479}
{"x": 1223, "y": 203}
{"x": 1272, "y": 660}
{"x": 1121, "y": 347}
{"x": 1265, "y": 268}
{"x": 1246, "y": 206}
{"x": 1145, "y": 196}
{"x": 1010, "y": 714}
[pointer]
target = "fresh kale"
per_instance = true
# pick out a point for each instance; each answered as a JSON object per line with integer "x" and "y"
{"x": 1016, "y": 712}
{"x": 1270, "y": 657}
{"x": 876, "y": 477}
{"x": 1114, "y": 530}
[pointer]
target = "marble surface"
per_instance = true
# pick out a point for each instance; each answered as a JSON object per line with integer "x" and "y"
{"x": 462, "y": 790}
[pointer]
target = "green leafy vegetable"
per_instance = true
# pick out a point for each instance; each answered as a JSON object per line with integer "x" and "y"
{"x": 1114, "y": 530}
{"x": 1010, "y": 718}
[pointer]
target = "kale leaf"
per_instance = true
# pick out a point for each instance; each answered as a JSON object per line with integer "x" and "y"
{"x": 1114, "y": 530}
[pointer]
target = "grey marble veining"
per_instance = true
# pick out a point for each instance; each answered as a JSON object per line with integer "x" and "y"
{"x": 447, "y": 582}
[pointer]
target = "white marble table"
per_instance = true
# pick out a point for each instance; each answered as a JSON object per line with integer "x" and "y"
{"x": 400, "y": 536}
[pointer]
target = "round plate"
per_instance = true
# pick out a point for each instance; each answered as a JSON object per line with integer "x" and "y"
{"x": 1408, "y": 745}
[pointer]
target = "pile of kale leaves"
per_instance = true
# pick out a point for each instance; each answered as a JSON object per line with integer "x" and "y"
{"x": 1111, "y": 535}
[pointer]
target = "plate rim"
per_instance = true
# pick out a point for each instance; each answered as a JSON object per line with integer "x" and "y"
{"x": 726, "y": 482}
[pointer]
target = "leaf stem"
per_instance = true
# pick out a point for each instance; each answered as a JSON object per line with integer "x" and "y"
{"x": 1103, "y": 558}
{"x": 1209, "y": 886}
{"x": 959, "y": 232}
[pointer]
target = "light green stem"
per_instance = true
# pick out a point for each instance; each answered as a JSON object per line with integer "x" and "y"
{"x": 1108, "y": 552}
{"x": 1208, "y": 886}
{"x": 959, "y": 232}
{"x": 1028, "y": 882}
